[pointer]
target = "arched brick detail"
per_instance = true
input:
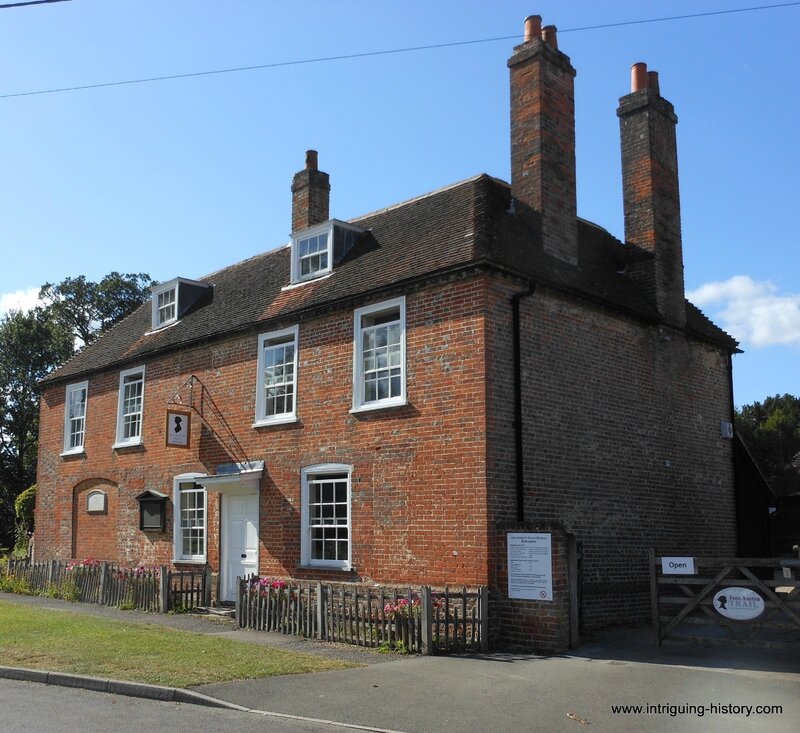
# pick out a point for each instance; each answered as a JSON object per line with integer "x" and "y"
{"x": 95, "y": 534}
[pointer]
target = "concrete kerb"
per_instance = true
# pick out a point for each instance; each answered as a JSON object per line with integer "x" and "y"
{"x": 160, "y": 694}
{"x": 117, "y": 687}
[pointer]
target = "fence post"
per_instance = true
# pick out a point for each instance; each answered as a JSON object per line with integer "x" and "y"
{"x": 651, "y": 558}
{"x": 163, "y": 588}
{"x": 207, "y": 585}
{"x": 483, "y": 609}
{"x": 426, "y": 619}
{"x": 51, "y": 566}
{"x": 320, "y": 612}
{"x": 238, "y": 607}
{"x": 101, "y": 591}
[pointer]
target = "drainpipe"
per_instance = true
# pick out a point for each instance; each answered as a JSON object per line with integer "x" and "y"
{"x": 518, "y": 442}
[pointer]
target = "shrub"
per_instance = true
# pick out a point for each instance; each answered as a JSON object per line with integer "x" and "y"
{"x": 10, "y": 584}
{"x": 69, "y": 590}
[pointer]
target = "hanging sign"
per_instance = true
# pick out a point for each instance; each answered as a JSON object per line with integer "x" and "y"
{"x": 179, "y": 428}
{"x": 530, "y": 566}
{"x": 740, "y": 604}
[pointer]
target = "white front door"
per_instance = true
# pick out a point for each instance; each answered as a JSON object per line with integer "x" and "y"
{"x": 240, "y": 541}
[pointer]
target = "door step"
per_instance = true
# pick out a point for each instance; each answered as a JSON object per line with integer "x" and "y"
{"x": 221, "y": 611}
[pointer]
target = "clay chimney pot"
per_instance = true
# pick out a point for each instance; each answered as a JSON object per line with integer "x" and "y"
{"x": 549, "y": 36}
{"x": 533, "y": 28}
{"x": 311, "y": 160}
{"x": 639, "y": 77}
{"x": 652, "y": 82}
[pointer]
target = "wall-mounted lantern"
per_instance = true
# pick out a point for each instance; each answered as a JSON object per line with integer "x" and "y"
{"x": 152, "y": 511}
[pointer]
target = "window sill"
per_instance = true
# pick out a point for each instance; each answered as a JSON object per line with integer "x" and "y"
{"x": 130, "y": 444}
{"x": 327, "y": 568}
{"x": 306, "y": 280}
{"x": 287, "y": 420}
{"x": 73, "y": 452}
{"x": 178, "y": 561}
{"x": 371, "y": 406}
{"x": 163, "y": 327}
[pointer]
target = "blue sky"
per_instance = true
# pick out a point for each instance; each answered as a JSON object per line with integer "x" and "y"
{"x": 183, "y": 177}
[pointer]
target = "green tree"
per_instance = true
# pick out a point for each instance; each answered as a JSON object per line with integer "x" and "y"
{"x": 771, "y": 430}
{"x": 24, "y": 506}
{"x": 31, "y": 345}
{"x": 87, "y": 308}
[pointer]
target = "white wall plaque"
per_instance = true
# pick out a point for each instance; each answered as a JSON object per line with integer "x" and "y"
{"x": 678, "y": 566}
{"x": 96, "y": 502}
{"x": 530, "y": 566}
{"x": 740, "y": 604}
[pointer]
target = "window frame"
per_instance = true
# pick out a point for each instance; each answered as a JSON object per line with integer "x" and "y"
{"x": 69, "y": 450}
{"x": 261, "y": 418}
{"x": 177, "y": 534}
{"x": 359, "y": 403}
{"x": 122, "y": 442}
{"x": 307, "y": 474}
{"x": 155, "y": 293}
{"x": 315, "y": 231}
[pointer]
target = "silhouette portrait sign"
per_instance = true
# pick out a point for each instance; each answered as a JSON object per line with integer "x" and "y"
{"x": 179, "y": 428}
{"x": 740, "y": 604}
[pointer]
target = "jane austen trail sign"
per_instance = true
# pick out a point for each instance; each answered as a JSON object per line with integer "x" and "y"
{"x": 740, "y": 604}
{"x": 530, "y": 566}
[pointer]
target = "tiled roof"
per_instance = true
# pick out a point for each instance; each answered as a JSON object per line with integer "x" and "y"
{"x": 468, "y": 224}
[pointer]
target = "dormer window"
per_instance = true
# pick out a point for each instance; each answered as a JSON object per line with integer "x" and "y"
{"x": 175, "y": 299}
{"x": 313, "y": 255}
{"x": 166, "y": 307}
{"x": 317, "y": 250}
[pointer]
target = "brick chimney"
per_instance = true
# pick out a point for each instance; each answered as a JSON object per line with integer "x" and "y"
{"x": 650, "y": 193}
{"x": 310, "y": 195}
{"x": 543, "y": 136}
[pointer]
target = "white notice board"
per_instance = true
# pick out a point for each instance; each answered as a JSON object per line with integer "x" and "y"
{"x": 530, "y": 566}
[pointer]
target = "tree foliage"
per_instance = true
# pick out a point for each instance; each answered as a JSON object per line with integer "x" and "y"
{"x": 88, "y": 308}
{"x": 31, "y": 345}
{"x": 34, "y": 343}
{"x": 771, "y": 430}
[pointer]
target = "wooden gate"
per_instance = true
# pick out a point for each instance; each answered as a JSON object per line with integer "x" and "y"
{"x": 753, "y": 601}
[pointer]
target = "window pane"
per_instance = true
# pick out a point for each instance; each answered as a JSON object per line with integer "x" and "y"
{"x": 132, "y": 389}
{"x": 328, "y": 514}
{"x": 76, "y": 417}
{"x": 192, "y": 520}
{"x": 381, "y": 350}
{"x": 278, "y": 376}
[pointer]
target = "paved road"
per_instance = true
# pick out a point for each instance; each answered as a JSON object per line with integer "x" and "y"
{"x": 522, "y": 693}
{"x": 29, "y": 707}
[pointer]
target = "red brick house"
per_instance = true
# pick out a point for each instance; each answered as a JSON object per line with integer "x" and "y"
{"x": 384, "y": 399}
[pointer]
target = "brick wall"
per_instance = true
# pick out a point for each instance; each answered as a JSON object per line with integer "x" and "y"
{"x": 622, "y": 444}
{"x": 418, "y": 478}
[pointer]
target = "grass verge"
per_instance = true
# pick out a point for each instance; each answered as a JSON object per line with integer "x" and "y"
{"x": 60, "y": 641}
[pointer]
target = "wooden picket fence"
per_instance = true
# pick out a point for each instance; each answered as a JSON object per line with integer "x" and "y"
{"x": 156, "y": 589}
{"x": 422, "y": 621}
